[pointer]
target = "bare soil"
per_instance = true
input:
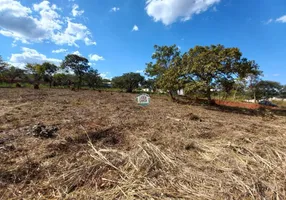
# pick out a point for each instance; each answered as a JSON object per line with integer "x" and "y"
{"x": 108, "y": 147}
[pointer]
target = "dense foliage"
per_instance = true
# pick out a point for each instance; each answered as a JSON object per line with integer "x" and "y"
{"x": 74, "y": 70}
{"x": 201, "y": 70}
{"x": 128, "y": 81}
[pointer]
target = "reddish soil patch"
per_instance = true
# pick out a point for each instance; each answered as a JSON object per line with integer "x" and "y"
{"x": 238, "y": 104}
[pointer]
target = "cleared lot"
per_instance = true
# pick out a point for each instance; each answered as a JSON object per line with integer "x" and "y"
{"x": 107, "y": 147}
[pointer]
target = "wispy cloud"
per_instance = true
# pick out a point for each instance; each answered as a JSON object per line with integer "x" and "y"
{"x": 114, "y": 9}
{"x": 269, "y": 21}
{"x": 75, "y": 11}
{"x": 59, "y": 51}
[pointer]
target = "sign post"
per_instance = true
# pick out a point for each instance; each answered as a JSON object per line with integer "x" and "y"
{"x": 143, "y": 99}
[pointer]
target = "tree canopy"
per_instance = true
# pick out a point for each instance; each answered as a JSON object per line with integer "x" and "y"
{"x": 79, "y": 65}
{"x": 128, "y": 81}
{"x": 200, "y": 69}
{"x": 268, "y": 89}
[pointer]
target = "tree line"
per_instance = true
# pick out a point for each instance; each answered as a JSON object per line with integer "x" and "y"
{"x": 74, "y": 71}
{"x": 203, "y": 71}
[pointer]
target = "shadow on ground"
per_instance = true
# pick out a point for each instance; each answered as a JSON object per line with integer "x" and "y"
{"x": 262, "y": 111}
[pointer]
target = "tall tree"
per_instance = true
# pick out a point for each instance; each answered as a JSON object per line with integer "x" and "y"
{"x": 79, "y": 65}
{"x": 204, "y": 67}
{"x": 165, "y": 69}
{"x": 128, "y": 81}
{"x": 49, "y": 70}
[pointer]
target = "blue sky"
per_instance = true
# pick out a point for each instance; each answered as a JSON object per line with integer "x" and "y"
{"x": 118, "y": 36}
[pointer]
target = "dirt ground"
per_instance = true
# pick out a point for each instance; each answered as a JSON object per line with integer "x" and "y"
{"x": 108, "y": 147}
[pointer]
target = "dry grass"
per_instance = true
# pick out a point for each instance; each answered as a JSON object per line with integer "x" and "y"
{"x": 107, "y": 147}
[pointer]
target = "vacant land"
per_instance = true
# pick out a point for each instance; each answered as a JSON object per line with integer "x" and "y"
{"x": 105, "y": 146}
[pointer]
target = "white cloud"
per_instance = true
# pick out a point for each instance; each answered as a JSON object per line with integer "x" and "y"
{"x": 169, "y": 11}
{"x": 88, "y": 41}
{"x": 95, "y": 57}
{"x": 41, "y": 23}
{"x": 77, "y": 53}
{"x": 114, "y": 9}
{"x": 135, "y": 28}
{"x": 281, "y": 19}
{"x": 31, "y": 56}
{"x": 139, "y": 71}
{"x": 74, "y": 32}
{"x": 59, "y": 51}
{"x": 75, "y": 11}
{"x": 276, "y": 74}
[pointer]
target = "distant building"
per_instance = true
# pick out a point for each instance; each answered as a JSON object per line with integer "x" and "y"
{"x": 181, "y": 92}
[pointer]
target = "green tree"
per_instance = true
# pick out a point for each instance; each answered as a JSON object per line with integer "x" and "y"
{"x": 3, "y": 68}
{"x": 3, "y": 64}
{"x": 12, "y": 73}
{"x": 36, "y": 71}
{"x": 205, "y": 67}
{"x": 93, "y": 79}
{"x": 49, "y": 70}
{"x": 79, "y": 65}
{"x": 62, "y": 79}
{"x": 253, "y": 80}
{"x": 128, "y": 81}
{"x": 165, "y": 70}
{"x": 268, "y": 89}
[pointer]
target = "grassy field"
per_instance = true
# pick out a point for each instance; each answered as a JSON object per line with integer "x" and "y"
{"x": 108, "y": 147}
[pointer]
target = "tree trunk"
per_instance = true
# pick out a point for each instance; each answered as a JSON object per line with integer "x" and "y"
{"x": 171, "y": 94}
{"x": 79, "y": 83}
{"x": 50, "y": 84}
{"x": 234, "y": 95}
{"x": 129, "y": 90}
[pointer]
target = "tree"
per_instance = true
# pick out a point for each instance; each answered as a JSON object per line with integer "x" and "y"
{"x": 150, "y": 84}
{"x": 3, "y": 64}
{"x": 92, "y": 78}
{"x": 3, "y": 68}
{"x": 62, "y": 79}
{"x": 205, "y": 67}
{"x": 49, "y": 70}
{"x": 128, "y": 81}
{"x": 79, "y": 65}
{"x": 37, "y": 71}
{"x": 12, "y": 73}
{"x": 268, "y": 89}
{"x": 165, "y": 69}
